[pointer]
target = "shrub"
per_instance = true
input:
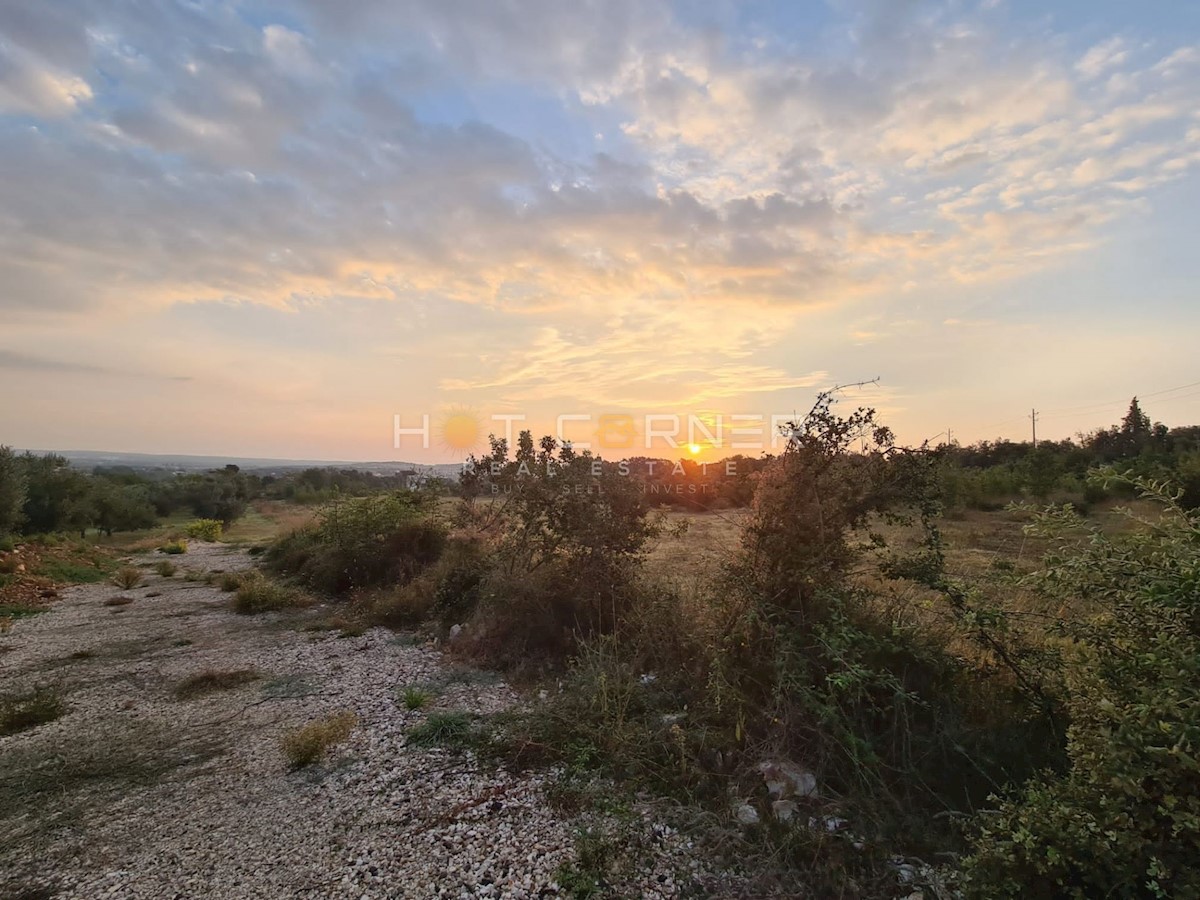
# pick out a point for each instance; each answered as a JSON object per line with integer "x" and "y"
{"x": 127, "y": 577}
{"x": 20, "y": 712}
{"x": 1124, "y": 818}
{"x": 229, "y": 581}
{"x": 448, "y": 590}
{"x": 205, "y": 529}
{"x": 211, "y": 681}
{"x": 309, "y": 743}
{"x": 360, "y": 544}
{"x": 529, "y": 622}
{"x": 414, "y": 697}
{"x": 452, "y": 730}
{"x": 166, "y": 568}
{"x": 256, "y": 594}
{"x": 566, "y": 536}
{"x": 174, "y": 548}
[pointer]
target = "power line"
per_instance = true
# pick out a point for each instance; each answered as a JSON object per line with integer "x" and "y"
{"x": 1121, "y": 402}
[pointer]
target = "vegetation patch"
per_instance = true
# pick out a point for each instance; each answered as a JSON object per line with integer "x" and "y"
{"x": 310, "y": 743}
{"x": 166, "y": 568}
{"x": 127, "y": 577}
{"x": 362, "y": 543}
{"x": 452, "y": 730}
{"x": 212, "y": 681}
{"x": 21, "y": 610}
{"x": 174, "y": 548}
{"x": 118, "y": 601}
{"x": 44, "y": 783}
{"x": 22, "y": 711}
{"x": 205, "y": 529}
{"x": 258, "y": 594}
{"x": 414, "y": 697}
{"x": 229, "y": 581}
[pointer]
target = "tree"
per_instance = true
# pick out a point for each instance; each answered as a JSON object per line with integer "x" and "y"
{"x": 53, "y": 488}
{"x": 12, "y": 490}
{"x": 1136, "y": 423}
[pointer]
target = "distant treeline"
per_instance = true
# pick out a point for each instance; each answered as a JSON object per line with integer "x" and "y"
{"x": 45, "y": 494}
{"x": 989, "y": 474}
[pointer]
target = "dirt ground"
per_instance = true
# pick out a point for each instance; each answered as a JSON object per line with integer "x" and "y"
{"x": 136, "y": 791}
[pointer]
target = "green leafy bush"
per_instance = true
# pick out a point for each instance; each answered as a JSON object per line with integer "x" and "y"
{"x": 1124, "y": 818}
{"x": 173, "y": 548}
{"x": 361, "y": 543}
{"x": 205, "y": 529}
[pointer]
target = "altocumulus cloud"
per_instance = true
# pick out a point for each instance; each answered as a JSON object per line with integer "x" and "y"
{"x": 413, "y": 152}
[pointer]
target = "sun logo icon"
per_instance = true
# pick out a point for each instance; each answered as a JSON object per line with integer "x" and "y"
{"x": 460, "y": 430}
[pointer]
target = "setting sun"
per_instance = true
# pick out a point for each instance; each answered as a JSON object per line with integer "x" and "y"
{"x": 694, "y": 449}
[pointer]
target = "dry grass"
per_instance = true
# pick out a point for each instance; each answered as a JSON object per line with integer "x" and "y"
{"x": 211, "y": 681}
{"x": 20, "y": 712}
{"x": 256, "y": 594}
{"x": 309, "y": 743}
{"x": 694, "y": 545}
{"x": 127, "y": 577}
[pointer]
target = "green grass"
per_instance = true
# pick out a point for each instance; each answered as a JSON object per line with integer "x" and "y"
{"x": 415, "y": 698}
{"x": 71, "y": 571}
{"x": 453, "y": 730}
{"x": 20, "y": 610}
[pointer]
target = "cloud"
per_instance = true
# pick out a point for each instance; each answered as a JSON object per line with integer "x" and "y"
{"x": 31, "y": 87}
{"x": 11, "y": 359}
{"x": 1102, "y": 57}
{"x": 443, "y": 155}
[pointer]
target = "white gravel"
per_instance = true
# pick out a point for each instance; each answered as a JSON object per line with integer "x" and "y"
{"x": 378, "y": 819}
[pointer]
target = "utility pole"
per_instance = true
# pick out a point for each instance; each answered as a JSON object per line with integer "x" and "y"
{"x": 949, "y": 438}
{"x": 1033, "y": 414}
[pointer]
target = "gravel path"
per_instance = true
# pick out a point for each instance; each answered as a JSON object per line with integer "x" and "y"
{"x": 135, "y": 793}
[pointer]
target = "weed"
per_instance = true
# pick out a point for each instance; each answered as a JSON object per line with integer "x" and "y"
{"x": 453, "y": 730}
{"x": 229, "y": 581}
{"x": 211, "y": 681}
{"x": 309, "y": 743}
{"x": 127, "y": 577}
{"x": 20, "y": 610}
{"x": 256, "y": 594}
{"x": 20, "y": 712}
{"x": 414, "y": 697}
{"x": 173, "y": 548}
{"x": 166, "y": 568}
{"x": 117, "y": 756}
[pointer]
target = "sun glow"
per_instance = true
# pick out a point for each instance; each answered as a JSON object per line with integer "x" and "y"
{"x": 694, "y": 449}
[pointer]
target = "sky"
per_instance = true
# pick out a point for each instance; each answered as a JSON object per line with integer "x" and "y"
{"x": 270, "y": 229}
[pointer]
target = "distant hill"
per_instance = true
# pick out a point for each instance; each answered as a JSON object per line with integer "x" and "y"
{"x": 87, "y": 459}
